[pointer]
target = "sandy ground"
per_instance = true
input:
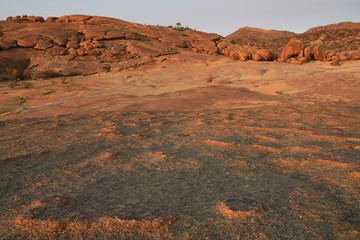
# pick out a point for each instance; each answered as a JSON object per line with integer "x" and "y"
{"x": 192, "y": 147}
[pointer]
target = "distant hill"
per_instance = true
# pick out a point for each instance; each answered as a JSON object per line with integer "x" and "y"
{"x": 343, "y": 36}
{"x": 261, "y": 38}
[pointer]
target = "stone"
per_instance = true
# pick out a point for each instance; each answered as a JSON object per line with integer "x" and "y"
{"x": 301, "y": 54}
{"x": 257, "y": 57}
{"x": 80, "y": 52}
{"x": 266, "y": 54}
{"x": 73, "y": 18}
{"x": 237, "y": 52}
{"x": 113, "y": 34}
{"x": 354, "y": 55}
{"x": 51, "y": 19}
{"x": 43, "y": 44}
{"x": 35, "y": 19}
{"x": 302, "y": 60}
{"x": 335, "y": 61}
{"x": 7, "y": 44}
{"x": 319, "y": 53}
{"x": 223, "y": 44}
{"x": 73, "y": 43}
{"x": 57, "y": 50}
{"x": 73, "y": 52}
{"x": 234, "y": 55}
{"x": 28, "y": 41}
{"x": 307, "y": 53}
{"x": 344, "y": 56}
{"x": 292, "y": 49}
{"x": 204, "y": 46}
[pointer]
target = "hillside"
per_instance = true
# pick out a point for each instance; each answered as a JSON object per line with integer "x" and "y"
{"x": 79, "y": 44}
{"x": 261, "y": 38}
{"x": 34, "y": 48}
{"x": 334, "y": 37}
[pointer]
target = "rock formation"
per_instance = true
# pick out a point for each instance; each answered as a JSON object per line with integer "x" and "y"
{"x": 81, "y": 44}
{"x": 292, "y": 49}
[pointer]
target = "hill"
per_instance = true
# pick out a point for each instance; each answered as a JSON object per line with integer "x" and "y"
{"x": 32, "y": 47}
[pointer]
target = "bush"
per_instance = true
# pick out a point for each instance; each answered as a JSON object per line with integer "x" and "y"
{"x": 237, "y": 41}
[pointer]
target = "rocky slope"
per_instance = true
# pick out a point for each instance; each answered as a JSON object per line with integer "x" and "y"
{"x": 334, "y": 42}
{"x": 79, "y": 44}
{"x": 31, "y": 47}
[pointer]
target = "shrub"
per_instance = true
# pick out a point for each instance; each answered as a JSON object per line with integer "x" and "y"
{"x": 237, "y": 41}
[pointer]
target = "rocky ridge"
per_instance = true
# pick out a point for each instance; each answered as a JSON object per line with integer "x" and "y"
{"x": 31, "y": 47}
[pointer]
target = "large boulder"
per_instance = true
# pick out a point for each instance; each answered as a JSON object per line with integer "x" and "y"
{"x": 28, "y": 41}
{"x": 265, "y": 54}
{"x": 354, "y": 55}
{"x": 344, "y": 56}
{"x": 307, "y": 53}
{"x": 51, "y": 19}
{"x": 238, "y": 52}
{"x": 223, "y": 44}
{"x": 204, "y": 46}
{"x": 319, "y": 53}
{"x": 292, "y": 49}
{"x": 257, "y": 57}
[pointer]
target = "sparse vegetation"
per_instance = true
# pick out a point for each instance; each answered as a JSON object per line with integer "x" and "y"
{"x": 237, "y": 41}
{"x": 217, "y": 40}
{"x": 179, "y": 27}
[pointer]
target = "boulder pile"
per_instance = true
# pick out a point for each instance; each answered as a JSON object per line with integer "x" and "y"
{"x": 296, "y": 52}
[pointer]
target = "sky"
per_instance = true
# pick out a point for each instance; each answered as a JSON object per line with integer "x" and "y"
{"x": 215, "y": 16}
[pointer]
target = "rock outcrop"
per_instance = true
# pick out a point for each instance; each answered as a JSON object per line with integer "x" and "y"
{"x": 292, "y": 49}
{"x": 87, "y": 41}
{"x": 111, "y": 44}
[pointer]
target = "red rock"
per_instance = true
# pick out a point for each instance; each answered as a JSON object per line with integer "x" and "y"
{"x": 307, "y": 53}
{"x": 301, "y": 54}
{"x": 319, "y": 53}
{"x": 292, "y": 49}
{"x": 73, "y": 18}
{"x": 43, "y": 44}
{"x": 344, "y": 56}
{"x": 80, "y": 52}
{"x": 51, "y": 19}
{"x": 57, "y": 50}
{"x": 257, "y": 57}
{"x": 302, "y": 60}
{"x": 73, "y": 52}
{"x": 204, "y": 46}
{"x": 335, "y": 61}
{"x": 7, "y": 44}
{"x": 114, "y": 34}
{"x": 35, "y": 19}
{"x": 244, "y": 56}
{"x": 267, "y": 55}
{"x": 223, "y": 44}
{"x": 73, "y": 43}
{"x": 354, "y": 55}
{"x": 234, "y": 55}
{"x": 28, "y": 41}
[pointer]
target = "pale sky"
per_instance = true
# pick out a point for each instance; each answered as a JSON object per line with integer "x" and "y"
{"x": 222, "y": 17}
